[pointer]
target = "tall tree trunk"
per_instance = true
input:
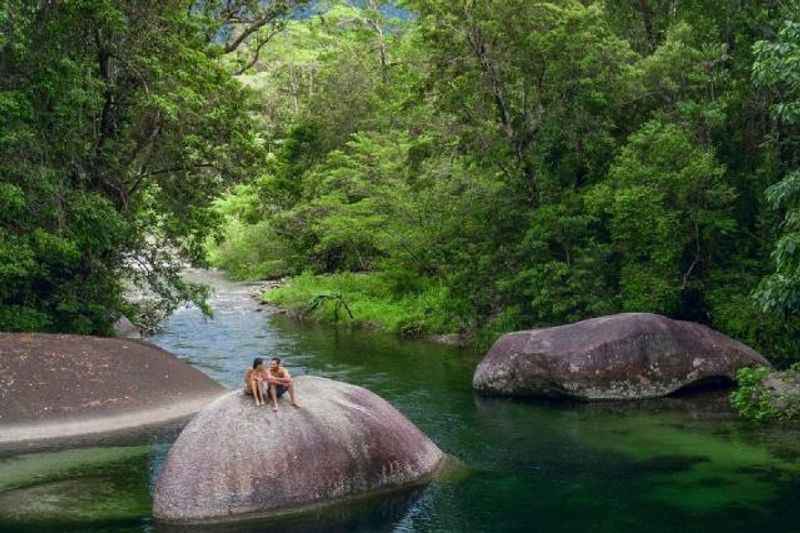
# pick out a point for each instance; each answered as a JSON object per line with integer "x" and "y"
{"x": 647, "y": 20}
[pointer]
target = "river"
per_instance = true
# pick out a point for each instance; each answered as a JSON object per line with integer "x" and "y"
{"x": 683, "y": 464}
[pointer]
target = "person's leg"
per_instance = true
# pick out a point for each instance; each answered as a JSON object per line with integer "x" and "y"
{"x": 273, "y": 396}
{"x": 263, "y": 392}
{"x": 254, "y": 390}
{"x": 291, "y": 394}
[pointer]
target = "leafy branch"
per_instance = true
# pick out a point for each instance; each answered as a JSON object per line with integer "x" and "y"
{"x": 338, "y": 303}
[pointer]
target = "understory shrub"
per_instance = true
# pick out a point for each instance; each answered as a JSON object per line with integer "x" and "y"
{"x": 372, "y": 300}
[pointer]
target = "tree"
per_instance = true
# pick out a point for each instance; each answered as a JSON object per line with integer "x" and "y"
{"x": 668, "y": 209}
{"x": 508, "y": 70}
{"x": 121, "y": 125}
{"x": 777, "y": 69}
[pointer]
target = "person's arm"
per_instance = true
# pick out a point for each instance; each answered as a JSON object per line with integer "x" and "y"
{"x": 286, "y": 378}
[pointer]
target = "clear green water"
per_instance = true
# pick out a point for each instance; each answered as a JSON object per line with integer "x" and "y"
{"x": 662, "y": 466}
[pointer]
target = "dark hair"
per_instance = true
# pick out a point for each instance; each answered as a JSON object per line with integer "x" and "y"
{"x": 278, "y": 359}
{"x": 257, "y": 361}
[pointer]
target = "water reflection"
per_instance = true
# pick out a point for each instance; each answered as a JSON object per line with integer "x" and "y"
{"x": 680, "y": 453}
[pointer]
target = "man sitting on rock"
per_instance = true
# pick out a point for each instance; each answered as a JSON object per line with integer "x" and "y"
{"x": 279, "y": 382}
{"x": 255, "y": 380}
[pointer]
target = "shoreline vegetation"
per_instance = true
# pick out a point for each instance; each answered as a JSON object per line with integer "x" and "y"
{"x": 365, "y": 301}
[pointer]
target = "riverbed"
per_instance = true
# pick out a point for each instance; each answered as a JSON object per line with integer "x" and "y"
{"x": 682, "y": 464}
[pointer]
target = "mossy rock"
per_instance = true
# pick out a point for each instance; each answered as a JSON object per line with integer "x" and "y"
{"x": 765, "y": 395}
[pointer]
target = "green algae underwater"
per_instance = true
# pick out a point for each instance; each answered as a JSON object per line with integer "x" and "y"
{"x": 658, "y": 466}
{"x": 74, "y": 489}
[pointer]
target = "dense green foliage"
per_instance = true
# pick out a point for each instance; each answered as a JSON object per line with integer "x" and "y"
{"x": 538, "y": 162}
{"x": 372, "y": 299}
{"x": 121, "y": 122}
{"x": 777, "y": 67}
{"x": 480, "y": 166}
{"x": 250, "y": 249}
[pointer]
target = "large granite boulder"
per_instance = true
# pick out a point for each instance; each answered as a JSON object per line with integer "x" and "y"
{"x": 72, "y": 390}
{"x": 236, "y": 459}
{"x": 625, "y": 356}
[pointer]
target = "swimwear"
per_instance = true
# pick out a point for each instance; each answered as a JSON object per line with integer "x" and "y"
{"x": 280, "y": 390}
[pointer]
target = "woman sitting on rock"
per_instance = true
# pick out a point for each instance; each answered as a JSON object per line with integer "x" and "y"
{"x": 254, "y": 379}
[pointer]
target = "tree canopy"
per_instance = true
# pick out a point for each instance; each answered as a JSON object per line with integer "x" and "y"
{"x": 538, "y": 162}
{"x": 504, "y": 164}
{"x": 121, "y": 124}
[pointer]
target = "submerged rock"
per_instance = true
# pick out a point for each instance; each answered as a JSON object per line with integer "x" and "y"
{"x": 237, "y": 459}
{"x": 69, "y": 390}
{"x": 377, "y": 514}
{"x": 624, "y": 356}
{"x": 74, "y": 487}
{"x": 450, "y": 339}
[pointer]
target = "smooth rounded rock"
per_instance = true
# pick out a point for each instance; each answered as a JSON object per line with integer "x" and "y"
{"x": 617, "y": 357}
{"x": 782, "y": 392}
{"x": 123, "y": 327}
{"x": 236, "y": 460}
{"x": 73, "y": 390}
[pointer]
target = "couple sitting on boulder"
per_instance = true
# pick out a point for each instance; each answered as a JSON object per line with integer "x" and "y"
{"x": 274, "y": 381}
